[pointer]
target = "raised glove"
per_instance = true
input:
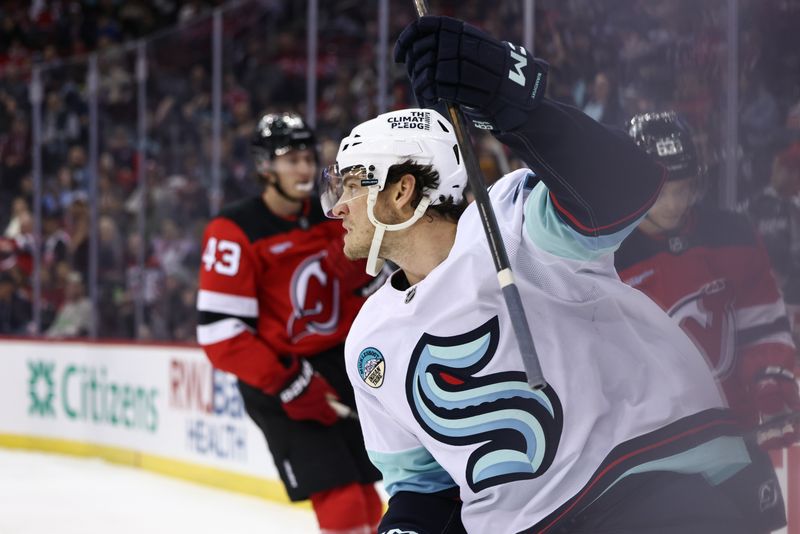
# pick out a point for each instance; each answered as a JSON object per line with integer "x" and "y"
{"x": 497, "y": 83}
{"x": 305, "y": 397}
{"x": 775, "y": 393}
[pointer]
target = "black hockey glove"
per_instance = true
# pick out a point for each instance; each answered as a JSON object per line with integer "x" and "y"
{"x": 496, "y": 83}
{"x": 775, "y": 393}
{"x": 423, "y": 513}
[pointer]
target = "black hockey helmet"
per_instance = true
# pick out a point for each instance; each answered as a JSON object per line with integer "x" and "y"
{"x": 278, "y": 133}
{"x": 668, "y": 139}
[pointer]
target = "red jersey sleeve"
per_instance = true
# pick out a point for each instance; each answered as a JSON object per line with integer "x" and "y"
{"x": 762, "y": 325}
{"x": 228, "y": 309}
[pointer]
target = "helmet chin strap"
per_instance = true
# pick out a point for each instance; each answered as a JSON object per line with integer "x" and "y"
{"x": 374, "y": 263}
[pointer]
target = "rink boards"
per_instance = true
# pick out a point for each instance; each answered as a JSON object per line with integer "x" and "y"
{"x": 159, "y": 407}
{"x": 165, "y": 409}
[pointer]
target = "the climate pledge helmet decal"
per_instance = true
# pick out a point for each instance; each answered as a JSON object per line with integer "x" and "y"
{"x": 520, "y": 429}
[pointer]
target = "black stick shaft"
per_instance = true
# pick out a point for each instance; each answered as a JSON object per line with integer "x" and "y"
{"x": 513, "y": 300}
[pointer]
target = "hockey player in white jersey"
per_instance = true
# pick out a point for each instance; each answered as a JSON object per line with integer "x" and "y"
{"x": 631, "y": 434}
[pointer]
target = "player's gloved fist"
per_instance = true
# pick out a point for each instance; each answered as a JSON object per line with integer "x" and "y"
{"x": 306, "y": 396}
{"x": 776, "y": 394}
{"x": 496, "y": 83}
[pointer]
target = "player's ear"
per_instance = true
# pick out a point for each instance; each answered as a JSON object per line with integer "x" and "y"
{"x": 404, "y": 192}
{"x": 267, "y": 174}
{"x": 263, "y": 166}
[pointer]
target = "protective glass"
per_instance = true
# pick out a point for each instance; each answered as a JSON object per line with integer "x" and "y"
{"x": 342, "y": 186}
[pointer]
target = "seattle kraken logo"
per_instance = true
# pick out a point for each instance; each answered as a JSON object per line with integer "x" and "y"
{"x": 520, "y": 429}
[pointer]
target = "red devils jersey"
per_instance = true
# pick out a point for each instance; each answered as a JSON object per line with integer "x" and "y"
{"x": 268, "y": 288}
{"x": 715, "y": 279}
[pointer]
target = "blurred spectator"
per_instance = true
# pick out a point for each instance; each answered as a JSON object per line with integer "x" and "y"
{"x": 8, "y": 254}
{"x": 14, "y": 153}
{"x": 603, "y": 103}
{"x": 111, "y": 275}
{"x": 19, "y": 237}
{"x": 15, "y": 307}
{"x": 197, "y": 108}
{"x": 175, "y": 316}
{"x": 19, "y": 211}
{"x": 79, "y": 233}
{"x": 55, "y": 246}
{"x": 776, "y": 214}
{"x": 120, "y": 148}
{"x": 109, "y": 197}
{"x": 77, "y": 166}
{"x": 117, "y": 87}
{"x": 759, "y": 120}
{"x": 190, "y": 10}
{"x": 172, "y": 247}
{"x": 74, "y": 317}
{"x": 60, "y": 128}
{"x": 144, "y": 283}
{"x": 110, "y": 250}
{"x": 63, "y": 188}
{"x": 793, "y": 119}
{"x": 25, "y": 243}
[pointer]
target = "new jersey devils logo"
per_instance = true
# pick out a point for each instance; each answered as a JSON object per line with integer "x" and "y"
{"x": 707, "y": 316}
{"x": 315, "y": 299}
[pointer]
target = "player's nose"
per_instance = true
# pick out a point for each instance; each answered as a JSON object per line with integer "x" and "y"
{"x": 340, "y": 210}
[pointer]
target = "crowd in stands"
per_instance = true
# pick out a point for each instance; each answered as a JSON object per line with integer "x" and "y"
{"x": 612, "y": 59}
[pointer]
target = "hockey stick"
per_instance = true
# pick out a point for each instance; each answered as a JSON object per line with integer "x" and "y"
{"x": 519, "y": 321}
{"x": 342, "y": 410}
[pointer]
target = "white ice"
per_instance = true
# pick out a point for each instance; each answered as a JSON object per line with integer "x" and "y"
{"x": 47, "y": 493}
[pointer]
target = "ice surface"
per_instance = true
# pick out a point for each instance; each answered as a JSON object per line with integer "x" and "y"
{"x": 48, "y": 493}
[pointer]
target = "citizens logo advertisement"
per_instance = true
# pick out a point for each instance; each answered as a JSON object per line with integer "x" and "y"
{"x": 89, "y": 393}
{"x": 215, "y": 425}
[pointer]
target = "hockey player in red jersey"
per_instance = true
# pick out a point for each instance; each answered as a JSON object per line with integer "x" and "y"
{"x": 708, "y": 269}
{"x": 276, "y": 300}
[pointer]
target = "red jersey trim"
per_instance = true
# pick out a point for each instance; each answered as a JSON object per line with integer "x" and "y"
{"x": 620, "y": 222}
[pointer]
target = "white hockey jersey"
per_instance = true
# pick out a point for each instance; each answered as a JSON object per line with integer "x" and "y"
{"x": 442, "y": 394}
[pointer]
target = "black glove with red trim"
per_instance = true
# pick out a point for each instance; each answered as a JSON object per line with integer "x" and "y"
{"x": 497, "y": 83}
{"x": 306, "y": 396}
{"x": 776, "y": 395}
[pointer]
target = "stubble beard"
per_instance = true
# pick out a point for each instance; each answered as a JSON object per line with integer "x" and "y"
{"x": 358, "y": 242}
{"x": 357, "y": 249}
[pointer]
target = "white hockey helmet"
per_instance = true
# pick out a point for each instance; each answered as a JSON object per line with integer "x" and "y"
{"x": 421, "y": 135}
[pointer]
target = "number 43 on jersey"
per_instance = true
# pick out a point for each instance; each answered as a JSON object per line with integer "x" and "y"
{"x": 227, "y": 261}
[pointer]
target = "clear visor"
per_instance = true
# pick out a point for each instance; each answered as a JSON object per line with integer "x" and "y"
{"x": 337, "y": 187}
